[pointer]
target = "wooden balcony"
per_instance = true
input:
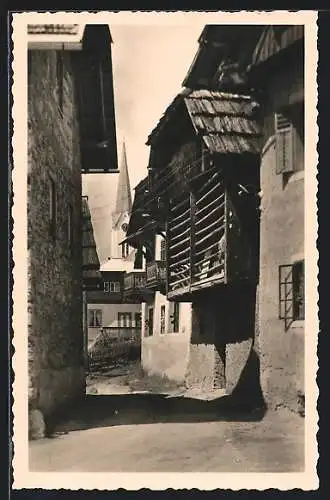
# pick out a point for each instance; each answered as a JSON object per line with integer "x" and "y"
{"x": 207, "y": 246}
{"x": 135, "y": 287}
{"x": 156, "y": 275}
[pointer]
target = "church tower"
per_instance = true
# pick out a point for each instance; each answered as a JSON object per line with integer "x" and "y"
{"x": 121, "y": 214}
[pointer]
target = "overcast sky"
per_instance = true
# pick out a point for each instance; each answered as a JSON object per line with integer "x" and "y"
{"x": 149, "y": 65}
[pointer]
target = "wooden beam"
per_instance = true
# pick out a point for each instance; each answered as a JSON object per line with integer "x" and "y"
{"x": 192, "y": 233}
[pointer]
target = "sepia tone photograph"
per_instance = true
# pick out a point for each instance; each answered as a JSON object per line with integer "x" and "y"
{"x": 166, "y": 263}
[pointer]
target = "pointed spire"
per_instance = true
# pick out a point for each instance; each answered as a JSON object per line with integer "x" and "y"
{"x": 124, "y": 197}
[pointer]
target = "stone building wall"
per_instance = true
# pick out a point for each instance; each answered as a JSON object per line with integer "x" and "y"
{"x": 55, "y": 337}
{"x": 222, "y": 342}
{"x": 280, "y": 346}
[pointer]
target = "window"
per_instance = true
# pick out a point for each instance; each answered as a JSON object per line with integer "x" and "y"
{"x": 111, "y": 286}
{"x": 149, "y": 324}
{"x": 163, "y": 250}
{"x": 140, "y": 281}
{"x": 174, "y": 316}
{"x": 52, "y": 207}
{"x": 125, "y": 320}
{"x": 138, "y": 262}
{"x": 151, "y": 321}
{"x": 292, "y": 292}
{"x": 124, "y": 250}
{"x": 59, "y": 78}
{"x": 284, "y": 144}
{"x": 162, "y": 319}
{"x": 138, "y": 320}
{"x": 94, "y": 318}
{"x": 298, "y": 283}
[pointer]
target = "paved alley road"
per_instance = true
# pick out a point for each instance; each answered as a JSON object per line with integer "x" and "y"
{"x": 151, "y": 434}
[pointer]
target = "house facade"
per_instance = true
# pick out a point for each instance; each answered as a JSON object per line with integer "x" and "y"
{"x": 108, "y": 310}
{"x": 203, "y": 153}
{"x": 166, "y": 326}
{"x": 278, "y": 67}
{"x": 225, "y": 191}
{"x": 61, "y": 144}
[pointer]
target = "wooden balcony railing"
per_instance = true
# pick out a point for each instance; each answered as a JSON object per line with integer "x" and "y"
{"x": 156, "y": 275}
{"x": 206, "y": 244}
{"x": 135, "y": 286}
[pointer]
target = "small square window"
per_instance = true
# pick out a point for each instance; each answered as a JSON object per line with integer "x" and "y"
{"x": 292, "y": 292}
{"x": 95, "y": 318}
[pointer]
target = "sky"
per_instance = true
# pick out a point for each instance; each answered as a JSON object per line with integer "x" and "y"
{"x": 149, "y": 65}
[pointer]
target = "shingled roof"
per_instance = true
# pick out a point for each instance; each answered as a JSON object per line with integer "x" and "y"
{"x": 225, "y": 121}
{"x": 53, "y": 29}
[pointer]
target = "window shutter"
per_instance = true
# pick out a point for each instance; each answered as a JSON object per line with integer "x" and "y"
{"x": 284, "y": 144}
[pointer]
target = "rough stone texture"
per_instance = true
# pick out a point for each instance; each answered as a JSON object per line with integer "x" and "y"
{"x": 201, "y": 369}
{"x": 237, "y": 355}
{"x": 222, "y": 338}
{"x": 55, "y": 337}
{"x": 281, "y": 242}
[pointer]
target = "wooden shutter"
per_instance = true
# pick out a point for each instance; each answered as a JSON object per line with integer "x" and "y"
{"x": 284, "y": 144}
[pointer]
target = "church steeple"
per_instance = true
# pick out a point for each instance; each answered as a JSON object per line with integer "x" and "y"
{"x": 124, "y": 197}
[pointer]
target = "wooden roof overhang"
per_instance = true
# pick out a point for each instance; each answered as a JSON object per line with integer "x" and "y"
{"x": 140, "y": 228}
{"x": 225, "y": 123}
{"x": 277, "y": 47}
{"x": 217, "y": 43}
{"x": 92, "y": 65}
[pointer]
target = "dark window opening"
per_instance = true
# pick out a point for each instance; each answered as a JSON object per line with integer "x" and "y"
{"x": 162, "y": 319}
{"x": 292, "y": 292}
{"x": 163, "y": 250}
{"x": 298, "y": 283}
{"x": 138, "y": 320}
{"x": 124, "y": 250}
{"x": 125, "y": 320}
{"x": 175, "y": 316}
{"x": 95, "y": 318}
{"x": 150, "y": 323}
{"x": 138, "y": 262}
{"x": 111, "y": 286}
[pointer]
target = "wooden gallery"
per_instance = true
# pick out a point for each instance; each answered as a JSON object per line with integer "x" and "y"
{"x": 197, "y": 219}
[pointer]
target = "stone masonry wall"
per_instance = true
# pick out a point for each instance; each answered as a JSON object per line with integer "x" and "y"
{"x": 55, "y": 337}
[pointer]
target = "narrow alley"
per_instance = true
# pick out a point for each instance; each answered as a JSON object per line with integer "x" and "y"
{"x": 130, "y": 424}
{"x": 166, "y": 246}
